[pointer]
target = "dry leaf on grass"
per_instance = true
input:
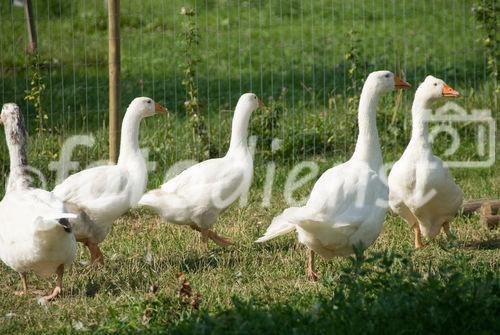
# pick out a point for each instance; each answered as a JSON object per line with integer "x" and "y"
{"x": 186, "y": 295}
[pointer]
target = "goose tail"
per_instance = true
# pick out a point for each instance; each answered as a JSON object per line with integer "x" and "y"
{"x": 151, "y": 199}
{"x": 53, "y": 222}
{"x": 281, "y": 225}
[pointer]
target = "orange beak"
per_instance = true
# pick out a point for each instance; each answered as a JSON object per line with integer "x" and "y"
{"x": 159, "y": 108}
{"x": 260, "y": 103}
{"x": 449, "y": 92}
{"x": 400, "y": 83}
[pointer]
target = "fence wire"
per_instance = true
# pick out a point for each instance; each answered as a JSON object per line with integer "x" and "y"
{"x": 305, "y": 59}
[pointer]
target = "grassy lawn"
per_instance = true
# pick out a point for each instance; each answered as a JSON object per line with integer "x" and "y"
{"x": 269, "y": 281}
{"x": 449, "y": 286}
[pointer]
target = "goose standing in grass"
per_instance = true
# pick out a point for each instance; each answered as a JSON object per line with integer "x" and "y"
{"x": 198, "y": 195}
{"x": 421, "y": 188}
{"x": 35, "y": 234}
{"x": 102, "y": 194}
{"x": 346, "y": 207}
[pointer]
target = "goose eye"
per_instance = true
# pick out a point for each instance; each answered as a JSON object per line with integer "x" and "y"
{"x": 149, "y": 101}
{"x": 387, "y": 75}
{"x": 435, "y": 84}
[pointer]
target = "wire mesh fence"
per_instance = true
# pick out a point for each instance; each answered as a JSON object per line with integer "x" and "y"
{"x": 305, "y": 59}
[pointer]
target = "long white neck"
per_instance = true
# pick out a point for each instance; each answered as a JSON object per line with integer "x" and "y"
{"x": 239, "y": 130}
{"x": 368, "y": 145}
{"x": 131, "y": 157}
{"x": 420, "y": 110}
{"x": 129, "y": 142}
{"x": 16, "y": 142}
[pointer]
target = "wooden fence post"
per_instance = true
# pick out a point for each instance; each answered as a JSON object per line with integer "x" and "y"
{"x": 30, "y": 25}
{"x": 114, "y": 77}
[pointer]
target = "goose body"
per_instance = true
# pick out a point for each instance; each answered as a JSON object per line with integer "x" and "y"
{"x": 336, "y": 218}
{"x": 99, "y": 196}
{"x": 198, "y": 195}
{"x": 35, "y": 234}
{"x": 346, "y": 206}
{"x": 422, "y": 189}
{"x": 102, "y": 194}
{"x": 192, "y": 197}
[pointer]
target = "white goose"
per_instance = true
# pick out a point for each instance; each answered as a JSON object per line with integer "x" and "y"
{"x": 346, "y": 206}
{"x": 422, "y": 189}
{"x": 102, "y": 194}
{"x": 35, "y": 234}
{"x": 198, "y": 195}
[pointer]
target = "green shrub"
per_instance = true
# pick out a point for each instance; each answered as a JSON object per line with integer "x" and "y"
{"x": 486, "y": 13}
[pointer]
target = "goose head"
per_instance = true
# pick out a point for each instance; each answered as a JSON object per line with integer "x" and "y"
{"x": 385, "y": 81}
{"x": 12, "y": 120}
{"x": 433, "y": 89}
{"x": 10, "y": 115}
{"x": 246, "y": 105}
{"x": 144, "y": 106}
{"x": 249, "y": 102}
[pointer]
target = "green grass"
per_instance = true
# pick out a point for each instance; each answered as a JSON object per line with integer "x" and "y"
{"x": 447, "y": 287}
{"x": 269, "y": 279}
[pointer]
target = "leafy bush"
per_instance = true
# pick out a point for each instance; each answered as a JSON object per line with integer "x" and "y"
{"x": 486, "y": 13}
{"x": 193, "y": 106}
{"x": 37, "y": 88}
{"x": 267, "y": 123}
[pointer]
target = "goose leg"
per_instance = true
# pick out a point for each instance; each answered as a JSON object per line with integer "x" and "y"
{"x": 418, "y": 238}
{"x": 204, "y": 240}
{"x": 58, "y": 288}
{"x": 209, "y": 234}
{"x": 412, "y": 220}
{"x": 204, "y": 237}
{"x": 311, "y": 274}
{"x": 446, "y": 229}
{"x": 24, "y": 285}
{"x": 96, "y": 256}
{"x": 219, "y": 240}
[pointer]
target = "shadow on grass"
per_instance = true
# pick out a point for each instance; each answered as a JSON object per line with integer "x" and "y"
{"x": 484, "y": 244}
{"x": 198, "y": 261}
{"x": 381, "y": 293}
{"x": 210, "y": 259}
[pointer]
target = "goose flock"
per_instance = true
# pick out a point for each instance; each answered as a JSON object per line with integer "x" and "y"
{"x": 346, "y": 208}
